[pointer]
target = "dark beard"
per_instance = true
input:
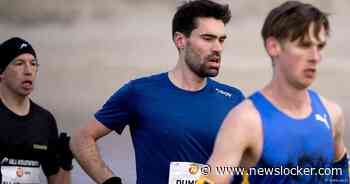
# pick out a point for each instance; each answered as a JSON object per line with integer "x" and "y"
{"x": 193, "y": 61}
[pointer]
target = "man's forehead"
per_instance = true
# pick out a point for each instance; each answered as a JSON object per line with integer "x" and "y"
{"x": 315, "y": 36}
{"x": 24, "y": 56}
{"x": 210, "y": 26}
{"x": 311, "y": 36}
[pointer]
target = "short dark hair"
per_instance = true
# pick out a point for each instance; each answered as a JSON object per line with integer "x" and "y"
{"x": 184, "y": 20}
{"x": 292, "y": 19}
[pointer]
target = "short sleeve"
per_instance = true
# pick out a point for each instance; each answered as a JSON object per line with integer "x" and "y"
{"x": 115, "y": 113}
{"x": 238, "y": 97}
{"x": 50, "y": 163}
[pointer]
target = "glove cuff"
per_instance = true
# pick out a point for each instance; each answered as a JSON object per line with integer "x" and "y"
{"x": 67, "y": 166}
{"x": 113, "y": 180}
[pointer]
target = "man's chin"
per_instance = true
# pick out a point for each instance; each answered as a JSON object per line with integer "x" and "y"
{"x": 304, "y": 86}
{"x": 25, "y": 93}
{"x": 208, "y": 73}
{"x": 213, "y": 72}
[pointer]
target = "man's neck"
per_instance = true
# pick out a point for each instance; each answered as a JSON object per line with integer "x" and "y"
{"x": 185, "y": 79}
{"x": 292, "y": 101}
{"x": 19, "y": 105}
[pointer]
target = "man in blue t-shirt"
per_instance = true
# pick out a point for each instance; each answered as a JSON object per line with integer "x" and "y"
{"x": 286, "y": 133}
{"x": 173, "y": 116}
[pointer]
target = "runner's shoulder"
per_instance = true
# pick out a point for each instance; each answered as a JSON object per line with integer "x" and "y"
{"x": 233, "y": 90}
{"x": 148, "y": 81}
{"x": 245, "y": 114}
{"x": 36, "y": 108}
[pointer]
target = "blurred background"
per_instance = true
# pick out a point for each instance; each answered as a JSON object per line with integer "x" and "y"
{"x": 87, "y": 49}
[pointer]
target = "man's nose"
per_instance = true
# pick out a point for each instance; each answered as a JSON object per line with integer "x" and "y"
{"x": 29, "y": 69}
{"x": 218, "y": 46}
{"x": 315, "y": 55}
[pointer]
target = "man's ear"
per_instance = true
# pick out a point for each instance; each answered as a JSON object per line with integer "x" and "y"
{"x": 179, "y": 40}
{"x": 273, "y": 46}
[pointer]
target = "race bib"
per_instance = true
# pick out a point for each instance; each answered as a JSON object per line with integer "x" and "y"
{"x": 185, "y": 172}
{"x": 16, "y": 171}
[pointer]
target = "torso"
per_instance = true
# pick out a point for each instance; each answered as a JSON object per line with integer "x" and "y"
{"x": 291, "y": 143}
{"x": 170, "y": 124}
{"x": 25, "y": 143}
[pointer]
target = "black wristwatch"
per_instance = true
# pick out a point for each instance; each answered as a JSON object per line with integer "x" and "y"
{"x": 65, "y": 155}
{"x": 113, "y": 180}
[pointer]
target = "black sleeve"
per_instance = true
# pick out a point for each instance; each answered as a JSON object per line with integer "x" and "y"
{"x": 50, "y": 162}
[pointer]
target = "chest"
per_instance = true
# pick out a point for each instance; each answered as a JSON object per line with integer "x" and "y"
{"x": 297, "y": 142}
{"x": 180, "y": 115}
{"x": 27, "y": 138}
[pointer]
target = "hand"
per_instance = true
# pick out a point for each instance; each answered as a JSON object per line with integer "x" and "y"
{"x": 204, "y": 180}
{"x": 65, "y": 155}
{"x": 113, "y": 180}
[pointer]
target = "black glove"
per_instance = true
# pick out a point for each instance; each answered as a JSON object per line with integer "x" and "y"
{"x": 65, "y": 155}
{"x": 113, "y": 180}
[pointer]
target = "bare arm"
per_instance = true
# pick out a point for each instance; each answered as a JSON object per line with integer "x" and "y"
{"x": 338, "y": 124}
{"x": 339, "y": 145}
{"x": 62, "y": 177}
{"x": 239, "y": 141}
{"x": 85, "y": 150}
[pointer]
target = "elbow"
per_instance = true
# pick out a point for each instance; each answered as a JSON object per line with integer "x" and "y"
{"x": 80, "y": 138}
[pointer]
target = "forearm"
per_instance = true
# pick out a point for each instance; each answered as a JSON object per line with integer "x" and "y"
{"x": 87, "y": 154}
{"x": 62, "y": 177}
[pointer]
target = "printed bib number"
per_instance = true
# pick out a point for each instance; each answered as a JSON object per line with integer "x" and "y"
{"x": 184, "y": 172}
{"x": 16, "y": 171}
{"x": 20, "y": 175}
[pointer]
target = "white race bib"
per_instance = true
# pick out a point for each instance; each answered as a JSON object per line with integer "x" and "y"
{"x": 184, "y": 172}
{"x": 21, "y": 172}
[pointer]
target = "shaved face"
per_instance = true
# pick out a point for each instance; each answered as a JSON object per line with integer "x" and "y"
{"x": 297, "y": 61}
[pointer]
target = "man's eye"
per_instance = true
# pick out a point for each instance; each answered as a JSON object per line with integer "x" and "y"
{"x": 305, "y": 45}
{"x": 35, "y": 63}
{"x": 208, "y": 38}
{"x": 18, "y": 63}
{"x": 321, "y": 46}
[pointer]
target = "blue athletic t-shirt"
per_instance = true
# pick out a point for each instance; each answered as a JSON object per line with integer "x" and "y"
{"x": 168, "y": 123}
{"x": 294, "y": 147}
